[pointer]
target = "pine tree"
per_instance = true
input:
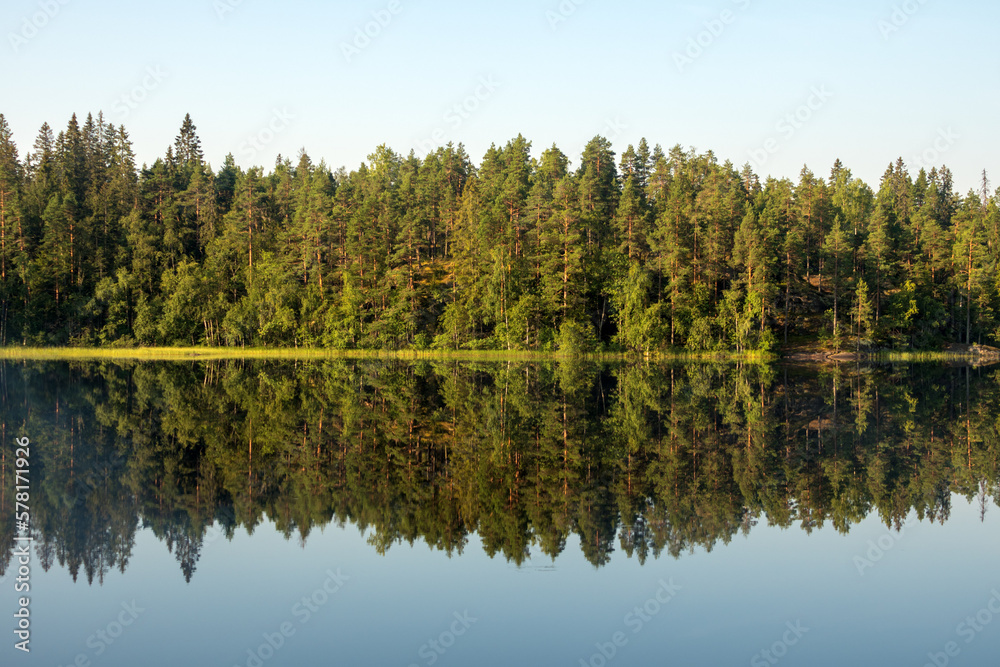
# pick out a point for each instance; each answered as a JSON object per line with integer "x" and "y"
{"x": 225, "y": 184}
{"x": 672, "y": 240}
{"x": 837, "y": 252}
{"x": 631, "y": 220}
{"x": 550, "y": 168}
{"x": 187, "y": 145}
{"x": 972, "y": 261}
{"x": 719, "y": 208}
{"x": 811, "y": 201}
{"x": 599, "y": 189}
{"x": 197, "y": 208}
{"x": 562, "y": 271}
{"x": 753, "y": 256}
{"x": 863, "y": 315}
{"x": 10, "y": 186}
{"x": 410, "y": 254}
{"x": 12, "y": 246}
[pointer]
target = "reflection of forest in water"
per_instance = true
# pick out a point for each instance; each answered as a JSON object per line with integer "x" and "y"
{"x": 644, "y": 459}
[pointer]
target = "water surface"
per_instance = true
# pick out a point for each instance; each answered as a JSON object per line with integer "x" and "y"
{"x": 386, "y": 513}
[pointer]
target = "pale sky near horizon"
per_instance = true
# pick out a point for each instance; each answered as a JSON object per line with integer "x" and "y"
{"x": 884, "y": 78}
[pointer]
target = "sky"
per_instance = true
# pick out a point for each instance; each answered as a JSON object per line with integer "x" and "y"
{"x": 773, "y": 83}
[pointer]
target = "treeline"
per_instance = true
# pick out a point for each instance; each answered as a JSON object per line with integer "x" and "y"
{"x": 651, "y": 251}
{"x": 647, "y": 460}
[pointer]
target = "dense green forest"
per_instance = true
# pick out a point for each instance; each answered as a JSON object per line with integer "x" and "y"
{"x": 648, "y": 460}
{"x": 650, "y": 252}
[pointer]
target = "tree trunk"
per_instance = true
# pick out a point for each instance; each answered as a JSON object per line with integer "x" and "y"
{"x": 788, "y": 288}
{"x": 968, "y": 302}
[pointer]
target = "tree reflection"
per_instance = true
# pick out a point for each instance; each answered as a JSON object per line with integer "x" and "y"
{"x": 648, "y": 459}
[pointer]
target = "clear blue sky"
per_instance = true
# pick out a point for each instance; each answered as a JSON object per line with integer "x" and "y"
{"x": 603, "y": 67}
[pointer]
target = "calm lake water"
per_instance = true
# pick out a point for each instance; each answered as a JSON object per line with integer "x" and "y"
{"x": 250, "y": 513}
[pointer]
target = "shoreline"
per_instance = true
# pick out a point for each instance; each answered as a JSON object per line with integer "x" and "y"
{"x": 811, "y": 355}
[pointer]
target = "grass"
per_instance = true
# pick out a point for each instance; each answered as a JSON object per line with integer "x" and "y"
{"x": 185, "y": 353}
{"x": 302, "y": 353}
{"x": 198, "y": 353}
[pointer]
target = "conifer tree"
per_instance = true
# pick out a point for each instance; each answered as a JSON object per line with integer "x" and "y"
{"x": 12, "y": 244}
{"x": 187, "y": 145}
{"x": 837, "y": 249}
{"x": 863, "y": 315}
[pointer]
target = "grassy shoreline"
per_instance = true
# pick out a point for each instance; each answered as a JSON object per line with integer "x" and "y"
{"x": 302, "y": 353}
{"x": 209, "y": 353}
{"x": 795, "y": 355}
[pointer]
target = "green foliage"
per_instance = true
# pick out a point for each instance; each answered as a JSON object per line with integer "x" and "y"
{"x": 639, "y": 322}
{"x": 660, "y": 251}
{"x": 649, "y": 460}
{"x": 575, "y": 338}
{"x": 701, "y": 338}
{"x": 863, "y": 314}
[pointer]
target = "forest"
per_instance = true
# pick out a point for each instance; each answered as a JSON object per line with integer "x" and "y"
{"x": 651, "y": 252}
{"x": 531, "y": 459}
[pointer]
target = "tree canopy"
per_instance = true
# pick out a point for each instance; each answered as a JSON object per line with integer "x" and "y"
{"x": 652, "y": 251}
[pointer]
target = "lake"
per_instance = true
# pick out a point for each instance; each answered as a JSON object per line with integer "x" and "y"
{"x": 264, "y": 513}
